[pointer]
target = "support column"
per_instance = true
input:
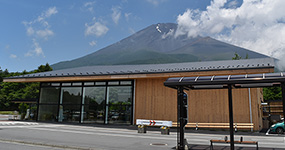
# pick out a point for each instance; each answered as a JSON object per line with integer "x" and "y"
{"x": 283, "y": 98}
{"x": 180, "y": 123}
{"x": 231, "y": 116}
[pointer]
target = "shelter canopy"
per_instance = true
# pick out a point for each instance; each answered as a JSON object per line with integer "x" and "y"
{"x": 219, "y": 82}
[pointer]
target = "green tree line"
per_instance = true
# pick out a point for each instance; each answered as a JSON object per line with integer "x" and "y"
{"x": 17, "y": 91}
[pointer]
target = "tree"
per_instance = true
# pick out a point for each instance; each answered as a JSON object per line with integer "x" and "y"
{"x": 14, "y": 91}
{"x": 236, "y": 57}
{"x": 272, "y": 93}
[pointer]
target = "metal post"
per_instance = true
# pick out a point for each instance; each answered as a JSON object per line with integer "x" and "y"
{"x": 180, "y": 127}
{"x": 250, "y": 110}
{"x": 231, "y": 117}
{"x": 283, "y": 98}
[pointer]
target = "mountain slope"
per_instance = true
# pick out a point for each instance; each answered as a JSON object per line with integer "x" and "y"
{"x": 157, "y": 44}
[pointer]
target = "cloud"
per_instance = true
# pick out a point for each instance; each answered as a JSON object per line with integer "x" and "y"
{"x": 13, "y": 56}
{"x": 132, "y": 31}
{"x": 96, "y": 28}
{"x": 258, "y": 25}
{"x": 44, "y": 33}
{"x": 116, "y": 14}
{"x": 89, "y": 6}
{"x": 39, "y": 27}
{"x": 127, "y": 16}
{"x": 36, "y": 51}
{"x": 50, "y": 11}
{"x": 92, "y": 43}
{"x": 156, "y": 2}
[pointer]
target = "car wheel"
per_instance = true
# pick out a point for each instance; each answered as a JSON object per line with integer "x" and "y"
{"x": 279, "y": 131}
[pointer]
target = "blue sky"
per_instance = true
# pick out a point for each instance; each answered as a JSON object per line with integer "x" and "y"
{"x": 36, "y": 32}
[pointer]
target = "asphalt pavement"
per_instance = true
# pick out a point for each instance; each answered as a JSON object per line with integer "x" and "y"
{"x": 42, "y": 136}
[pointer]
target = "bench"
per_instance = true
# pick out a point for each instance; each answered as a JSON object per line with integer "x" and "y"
{"x": 236, "y": 142}
{"x": 218, "y": 125}
{"x": 164, "y": 125}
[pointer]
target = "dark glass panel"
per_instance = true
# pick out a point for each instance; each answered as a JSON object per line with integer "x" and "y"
{"x": 272, "y": 75}
{"x": 113, "y": 83}
{"x": 119, "y": 114}
{"x": 218, "y": 78}
{"x": 66, "y": 84}
{"x": 119, "y": 102}
{"x": 69, "y": 113}
{"x": 120, "y": 95}
{"x": 100, "y": 83}
{"x": 48, "y": 113}
{"x": 88, "y": 83}
{"x": 77, "y": 84}
{"x": 205, "y": 78}
{"x": 252, "y": 76}
{"x": 188, "y": 79}
{"x": 71, "y": 95}
{"x": 126, "y": 82}
{"x": 94, "y": 95}
{"x": 93, "y": 114}
{"x": 237, "y": 77}
{"x": 49, "y": 95}
{"x": 55, "y": 84}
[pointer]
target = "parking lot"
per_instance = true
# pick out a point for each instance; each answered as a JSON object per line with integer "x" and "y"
{"x": 42, "y": 136}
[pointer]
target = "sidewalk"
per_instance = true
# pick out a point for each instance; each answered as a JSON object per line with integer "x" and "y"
{"x": 16, "y": 123}
{"x": 9, "y": 117}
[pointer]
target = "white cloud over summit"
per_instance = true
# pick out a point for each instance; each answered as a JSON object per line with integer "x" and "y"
{"x": 257, "y": 25}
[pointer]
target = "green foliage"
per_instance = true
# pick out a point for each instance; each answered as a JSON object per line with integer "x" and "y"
{"x": 272, "y": 93}
{"x": 16, "y": 91}
{"x": 236, "y": 57}
{"x": 23, "y": 107}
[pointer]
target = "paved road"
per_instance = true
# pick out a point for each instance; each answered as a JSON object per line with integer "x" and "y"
{"x": 42, "y": 136}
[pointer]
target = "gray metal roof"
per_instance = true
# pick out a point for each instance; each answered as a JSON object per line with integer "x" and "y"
{"x": 155, "y": 68}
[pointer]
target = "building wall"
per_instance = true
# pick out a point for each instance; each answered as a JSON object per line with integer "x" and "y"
{"x": 155, "y": 101}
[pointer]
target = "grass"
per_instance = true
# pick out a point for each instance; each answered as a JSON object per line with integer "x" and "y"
{"x": 7, "y": 113}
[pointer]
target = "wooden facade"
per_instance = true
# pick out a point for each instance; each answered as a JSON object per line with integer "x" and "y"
{"x": 154, "y": 101}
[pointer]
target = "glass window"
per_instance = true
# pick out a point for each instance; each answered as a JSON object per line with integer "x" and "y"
{"x": 69, "y": 113}
{"x": 93, "y": 113}
{"x": 100, "y": 83}
{"x": 48, "y": 113}
{"x": 120, "y": 94}
{"x": 113, "y": 83}
{"x": 55, "y": 84}
{"x": 119, "y": 100}
{"x": 66, "y": 84}
{"x": 126, "y": 82}
{"x": 49, "y": 95}
{"x": 88, "y": 83}
{"x": 45, "y": 84}
{"x": 77, "y": 84}
{"x": 94, "y": 104}
{"x": 71, "y": 95}
{"x": 94, "y": 95}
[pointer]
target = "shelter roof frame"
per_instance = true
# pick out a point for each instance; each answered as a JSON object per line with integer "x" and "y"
{"x": 225, "y": 82}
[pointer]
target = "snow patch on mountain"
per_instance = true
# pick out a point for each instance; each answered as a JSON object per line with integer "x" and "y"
{"x": 169, "y": 33}
{"x": 157, "y": 28}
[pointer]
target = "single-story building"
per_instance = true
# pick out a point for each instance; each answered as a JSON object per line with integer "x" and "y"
{"x": 123, "y": 93}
